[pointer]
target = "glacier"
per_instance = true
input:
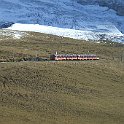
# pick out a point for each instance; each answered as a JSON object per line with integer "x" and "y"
{"x": 101, "y": 32}
{"x": 92, "y": 20}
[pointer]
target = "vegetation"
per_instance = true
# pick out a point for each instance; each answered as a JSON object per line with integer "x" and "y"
{"x": 63, "y": 92}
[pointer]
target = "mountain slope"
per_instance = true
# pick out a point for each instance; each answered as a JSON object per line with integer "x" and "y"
{"x": 96, "y": 33}
{"x": 58, "y": 13}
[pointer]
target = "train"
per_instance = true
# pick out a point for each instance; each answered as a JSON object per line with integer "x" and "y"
{"x": 61, "y": 57}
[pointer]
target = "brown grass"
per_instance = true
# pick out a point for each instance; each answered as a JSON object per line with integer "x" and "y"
{"x": 64, "y": 92}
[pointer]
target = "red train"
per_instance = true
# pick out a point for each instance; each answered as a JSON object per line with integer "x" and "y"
{"x": 73, "y": 57}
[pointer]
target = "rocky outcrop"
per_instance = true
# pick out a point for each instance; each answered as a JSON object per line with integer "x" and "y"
{"x": 5, "y": 24}
{"x": 117, "y": 5}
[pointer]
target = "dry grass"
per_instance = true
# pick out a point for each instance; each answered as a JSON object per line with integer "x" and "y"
{"x": 67, "y": 92}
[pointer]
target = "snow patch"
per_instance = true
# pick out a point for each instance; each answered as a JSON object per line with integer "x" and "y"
{"x": 12, "y": 33}
{"x": 17, "y": 36}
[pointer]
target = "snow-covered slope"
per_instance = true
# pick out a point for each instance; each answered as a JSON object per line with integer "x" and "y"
{"x": 99, "y": 32}
{"x": 63, "y": 14}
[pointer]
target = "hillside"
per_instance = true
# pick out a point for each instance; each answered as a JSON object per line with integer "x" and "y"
{"x": 63, "y": 92}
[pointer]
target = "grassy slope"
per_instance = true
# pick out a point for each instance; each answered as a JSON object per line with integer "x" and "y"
{"x": 73, "y": 92}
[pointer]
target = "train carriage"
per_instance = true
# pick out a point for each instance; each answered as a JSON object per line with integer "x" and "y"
{"x": 87, "y": 57}
{"x": 73, "y": 57}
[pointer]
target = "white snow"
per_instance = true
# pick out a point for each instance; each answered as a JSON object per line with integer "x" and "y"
{"x": 58, "y": 13}
{"x": 72, "y": 19}
{"x": 17, "y": 36}
{"x": 91, "y": 33}
{"x": 12, "y": 33}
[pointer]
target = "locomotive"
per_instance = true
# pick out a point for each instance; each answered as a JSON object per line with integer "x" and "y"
{"x": 73, "y": 57}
